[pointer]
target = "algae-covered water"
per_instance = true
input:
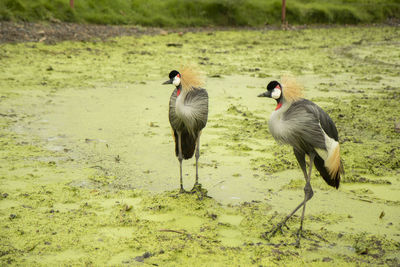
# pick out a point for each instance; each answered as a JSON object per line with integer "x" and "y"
{"x": 88, "y": 174}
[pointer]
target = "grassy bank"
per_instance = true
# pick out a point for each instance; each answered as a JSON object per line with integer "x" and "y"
{"x": 174, "y": 13}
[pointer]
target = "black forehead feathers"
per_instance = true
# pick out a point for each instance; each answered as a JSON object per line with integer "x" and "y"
{"x": 272, "y": 85}
{"x": 173, "y": 73}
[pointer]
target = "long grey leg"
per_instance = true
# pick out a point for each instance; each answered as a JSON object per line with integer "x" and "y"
{"x": 300, "y": 156}
{"x": 197, "y": 187}
{"x": 180, "y": 157}
{"x": 308, "y": 194}
{"x": 197, "y": 159}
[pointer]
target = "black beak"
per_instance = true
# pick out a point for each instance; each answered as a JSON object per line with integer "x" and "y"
{"x": 168, "y": 82}
{"x": 265, "y": 94}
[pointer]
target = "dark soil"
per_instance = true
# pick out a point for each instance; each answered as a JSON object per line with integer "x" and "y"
{"x": 14, "y": 32}
{"x": 55, "y": 31}
{"x": 11, "y": 32}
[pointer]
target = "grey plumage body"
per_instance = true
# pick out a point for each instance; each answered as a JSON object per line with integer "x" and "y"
{"x": 306, "y": 127}
{"x": 310, "y": 131}
{"x": 189, "y": 110}
{"x": 301, "y": 125}
{"x": 188, "y": 114}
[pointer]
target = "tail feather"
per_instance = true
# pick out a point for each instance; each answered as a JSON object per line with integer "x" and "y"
{"x": 188, "y": 144}
{"x": 332, "y": 178}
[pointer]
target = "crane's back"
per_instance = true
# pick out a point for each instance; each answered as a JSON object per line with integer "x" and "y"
{"x": 309, "y": 129}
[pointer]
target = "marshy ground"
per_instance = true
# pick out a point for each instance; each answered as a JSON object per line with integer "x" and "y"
{"x": 88, "y": 173}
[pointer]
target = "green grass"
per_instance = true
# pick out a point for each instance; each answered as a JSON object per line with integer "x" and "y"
{"x": 183, "y": 13}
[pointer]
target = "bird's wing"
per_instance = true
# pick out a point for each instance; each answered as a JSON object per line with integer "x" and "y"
{"x": 318, "y": 134}
{"x": 328, "y": 162}
{"x": 326, "y": 122}
{"x": 302, "y": 118}
{"x": 173, "y": 119}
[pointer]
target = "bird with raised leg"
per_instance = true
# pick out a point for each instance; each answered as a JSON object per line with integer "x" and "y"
{"x": 188, "y": 113}
{"x": 310, "y": 131}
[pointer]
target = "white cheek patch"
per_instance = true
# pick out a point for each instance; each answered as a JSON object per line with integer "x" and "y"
{"x": 276, "y": 93}
{"x": 176, "y": 81}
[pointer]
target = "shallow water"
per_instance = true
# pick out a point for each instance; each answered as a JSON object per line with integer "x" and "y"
{"x": 130, "y": 122}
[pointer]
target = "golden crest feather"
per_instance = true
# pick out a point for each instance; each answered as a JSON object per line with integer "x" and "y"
{"x": 191, "y": 78}
{"x": 292, "y": 90}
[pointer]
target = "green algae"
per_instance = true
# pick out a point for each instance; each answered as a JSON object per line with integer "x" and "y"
{"x": 88, "y": 174}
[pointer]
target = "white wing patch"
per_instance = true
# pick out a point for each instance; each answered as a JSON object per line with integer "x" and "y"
{"x": 330, "y": 145}
{"x": 331, "y": 155}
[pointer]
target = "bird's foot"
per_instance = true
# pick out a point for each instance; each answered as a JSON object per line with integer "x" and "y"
{"x": 318, "y": 236}
{"x": 196, "y": 187}
{"x": 303, "y": 234}
{"x": 267, "y": 235}
{"x": 199, "y": 190}
{"x": 299, "y": 235}
{"x": 183, "y": 191}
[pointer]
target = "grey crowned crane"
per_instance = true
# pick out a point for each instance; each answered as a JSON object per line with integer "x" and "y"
{"x": 310, "y": 131}
{"x": 188, "y": 113}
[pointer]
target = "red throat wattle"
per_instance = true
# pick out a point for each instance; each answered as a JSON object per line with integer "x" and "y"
{"x": 178, "y": 92}
{"x": 278, "y": 106}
